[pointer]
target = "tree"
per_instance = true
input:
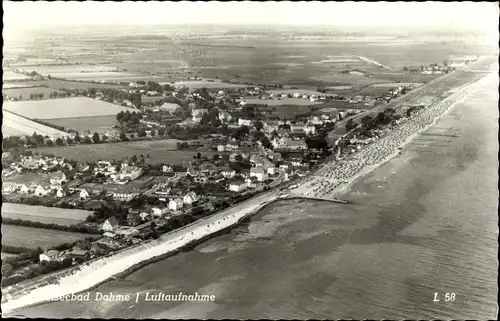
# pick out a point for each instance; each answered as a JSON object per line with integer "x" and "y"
{"x": 104, "y": 138}
{"x": 141, "y": 132}
{"x": 350, "y": 125}
{"x": 238, "y": 158}
{"x": 59, "y": 141}
{"x": 32, "y": 96}
{"x": 95, "y": 138}
{"x": 381, "y": 118}
{"x": 87, "y": 140}
{"x": 366, "y": 120}
{"x": 258, "y": 125}
{"x": 161, "y": 132}
{"x": 41, "y": 95}
{"x": 152, "y": 133}
{"x": 119, "y": 116}
{"x": 50, "y": 142}
{"x": 123, "y": 137}
{"x": 198, "y": 155}
{"x": 69, "y": 140}
{"x": 134, "y": 159}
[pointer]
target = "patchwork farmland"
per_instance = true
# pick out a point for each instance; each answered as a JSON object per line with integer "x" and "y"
{"x": 163, "y": 151}
{"x": 63, "y": 108}
{"x": 30, "y": 237}
{"x": 99, "y": 124}
{"x": 42, "y": 214}
{"x": 14, "y": 125}
{"x": 26, "y": 92}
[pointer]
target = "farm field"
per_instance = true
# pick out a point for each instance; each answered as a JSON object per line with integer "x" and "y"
{"x": 197, "y": 84}
{"x": 31, "y": 237}
{"x": 99, "y": 124}
{"x": 60, "y": 70}
{"x": 11, "y": 85}
{"x": 293, "y": 91}
{"x": 283, "y": 101}
{"x": 44, "y": 214}
{"x": 162, "y": 151}
{"x": 64, "y": 84}
{"x": 10, "y": 75}
{"x": 397, "y": 84}
{"x": 27, "y": 178}
{"x": 14, "y": 125}
{"x": 63, "y": 108}
{"x": 26, "y": 92}
{"x": 7, "y": 255}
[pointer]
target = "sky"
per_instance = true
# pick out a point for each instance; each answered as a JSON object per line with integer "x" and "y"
{"x": 462, "y": 15}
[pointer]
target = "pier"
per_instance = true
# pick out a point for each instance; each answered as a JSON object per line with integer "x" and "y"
{"x": 328, "y": 199}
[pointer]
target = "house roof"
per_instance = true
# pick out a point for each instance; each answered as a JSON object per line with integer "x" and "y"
{"x": 113, "y": 221}
{"x": 170, "y": 106}
{"x": 56, "y": 175}
{"x": 238, "y": 183}
{"x": 191, "y": 194}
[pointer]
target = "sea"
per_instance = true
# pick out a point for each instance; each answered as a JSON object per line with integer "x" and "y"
{"x": 418, "y": 241}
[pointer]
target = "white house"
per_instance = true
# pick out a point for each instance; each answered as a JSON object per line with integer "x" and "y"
{"x": 110, "y": 224}
{"x": 167, "y": 169}
{"x": 271, "y": 170}
{"x": 170, "y": 107}
{"x": 124, "y": 196}
{"x": 259, "y": 173}
{"x": 159, "y": 211}
{"x": 23, "y": 189}
{"x": 244, "y": 122}
{"x": 228, "y": 172}
{"x": 57, "y": 178}
{"x": 238, "y": 186}
{"x": 60, "y": 193}
{"x": 175, "y": 204}
{"x": 224, "y": 116}
{"x": 48, "y": 256}
{"x": 41, "y": 190}
{"x": 84, "y": 194}
{"x": 190, "y": 198}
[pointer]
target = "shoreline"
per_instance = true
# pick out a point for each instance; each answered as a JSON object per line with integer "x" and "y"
{"x": 92, "y": 274}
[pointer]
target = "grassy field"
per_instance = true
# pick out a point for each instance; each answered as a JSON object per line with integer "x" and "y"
{"x": 14, "y": 125}
{"x": 281, "y": 102}
{"x": 27, "y": 178}
{"x": 31, "y": 237}
{"x": 64, "y": 84}
{"x": 100, "y": 124}
{"x": 160, "y": 151}
{"x": 10, "y": 75}
{"x": 25, "y": 92}
{"x": 7, "y": 255}
{"x": 63, "y": 108}
{"x": 44, "y": 214}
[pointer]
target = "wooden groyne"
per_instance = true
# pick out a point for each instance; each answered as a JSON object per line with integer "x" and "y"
{"x": 327, "y": 199}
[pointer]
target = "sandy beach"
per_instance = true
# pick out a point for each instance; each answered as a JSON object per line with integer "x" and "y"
{"x": 331, "y": 180}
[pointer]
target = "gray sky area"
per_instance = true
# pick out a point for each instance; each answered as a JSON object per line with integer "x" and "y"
{"x": 460, "y": 15}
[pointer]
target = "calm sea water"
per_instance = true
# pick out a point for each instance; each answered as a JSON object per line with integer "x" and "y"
{"x": 425, "y": 222}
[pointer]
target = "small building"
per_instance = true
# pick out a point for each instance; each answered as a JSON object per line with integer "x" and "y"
{"x": 175, "y": 204}
{"x": 259, "y": 173}
{"x": 159, "y": 211}
{"x": 49, "y": 256}
{"x": 190, "y": 198}
{"x": 238, "y": 186}
{"x": 170, "y": 107}
{"x": 84, "y": 194}
{"x": 167, "y": 169}
{"x": 244, "y": 122}
{"x": 110, "y": 224}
